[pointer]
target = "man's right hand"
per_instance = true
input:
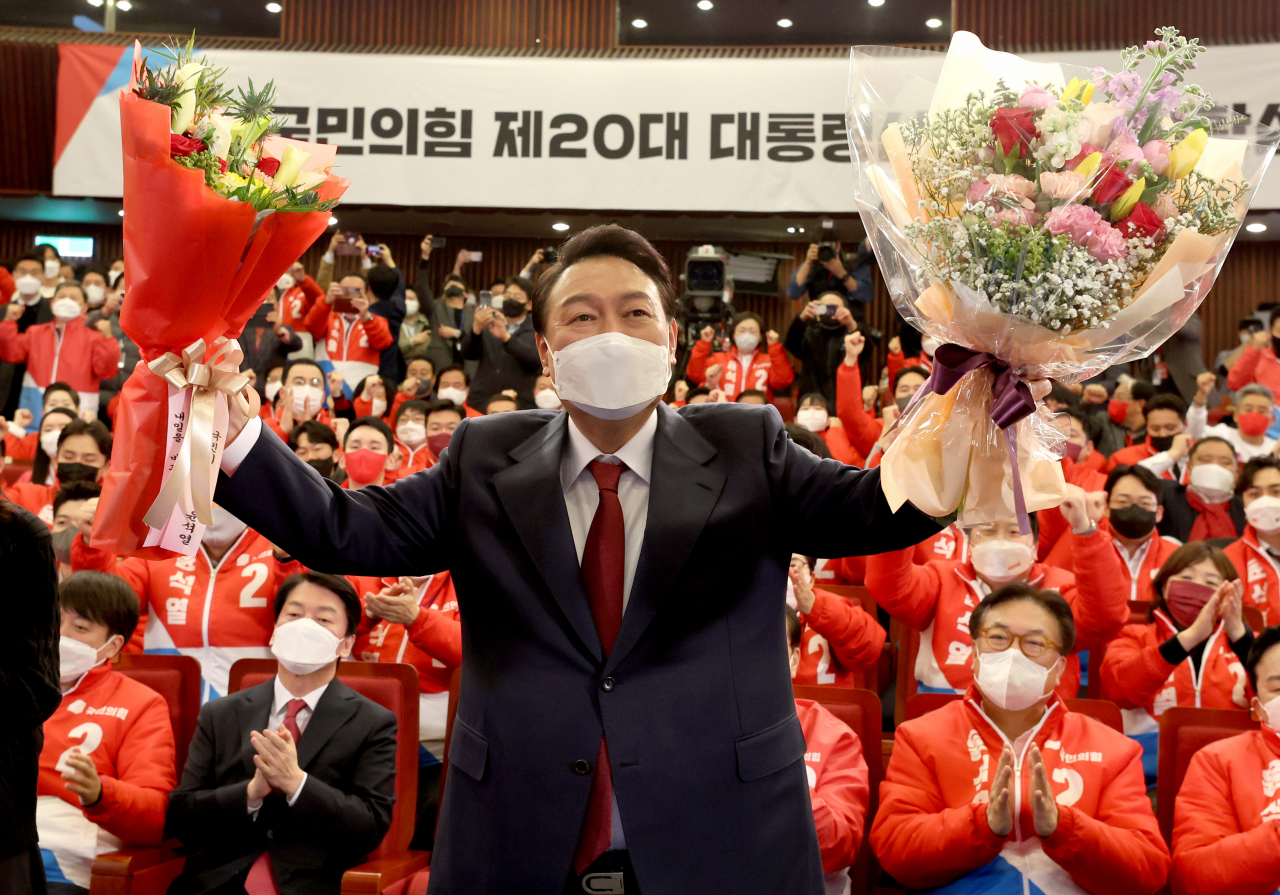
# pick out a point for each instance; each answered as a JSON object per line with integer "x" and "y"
{"x": 1181, "y": 446}
{"x": 1204, "y": 385}
{"x": 237, "y": 419}
{"x": 1261, "y": 339}
{"x": 13, "y": 312}
{"x": 335, "y": 242}
{"x": 483, "y": 317}
{"x": 853, "y": 345}
{"x": 1000, "y": 806}
{"x": 708, "y": 333}
{"x": 811, "y": 255}
{"x": 425, "y": 247}
{"x": 22, "y": 418}
{"x": 334, "y": 293}
{"x": 259, "y": 788}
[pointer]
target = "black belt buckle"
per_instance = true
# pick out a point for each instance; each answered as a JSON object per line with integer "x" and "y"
{"x": 603, "y": 883}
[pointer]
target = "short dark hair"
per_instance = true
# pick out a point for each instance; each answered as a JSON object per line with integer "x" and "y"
{"x": 74, "y": 284}
{"x": 794, "y": 631}
{"x": 61, "y": 387}
{"x": 299, "y": 362}
{"x": 336, "y": 584}
{"x": 44, "y": 247}
{"x": 383, "y": 281}
{"x": 819, "y": 397}
{"x": 439, "y": 405}
{"x": 425, "y": 360}
{"x": 29, "y": 256}
{"x": 371, "y": 422}
{"x": 1141, "y": 390}
{"x": 921, "y": 371}
{"x": 523, "y": 282}
{"x": 103, "y": 599}
{"x": 605, "y": 240}
{"x": 810, "y": 441}
{"x": 744, "y": 316}
{"x": 695, "y": 392}
{"x": 460, "y": 280}
{"x": 75, "y": 490}
{"x": 752, "y": 393}
{"x": 1189, "y": 555}
{"x": 354, "y": 273}
{"x": 496, "y": 397}
{"x": 1089, "y": 423}
{"x": 1166, "y": 402}
{"x": 500, "y": 281}
{"x": 316, "y": 432}
{"x": 1050, "y": 601}
{"x": 93, "y": 428}
{"x": 1261, "y": 646}
{"x": 1141, "y": 473}
{"x": 1252, "y": 468}
{"x": 454, "y": 368}
{"x": 1210, "y": 439}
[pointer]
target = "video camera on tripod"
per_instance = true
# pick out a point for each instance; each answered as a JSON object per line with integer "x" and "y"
{"x": 706, "y": 300}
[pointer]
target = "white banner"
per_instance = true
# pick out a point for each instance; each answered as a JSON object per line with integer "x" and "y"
{"x": 752, "y": 135}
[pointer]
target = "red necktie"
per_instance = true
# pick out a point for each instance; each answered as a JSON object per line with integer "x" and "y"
{"x": 261, "y": 879}
{"x": 603, "y": 565}
{"x": 291, "y": 709}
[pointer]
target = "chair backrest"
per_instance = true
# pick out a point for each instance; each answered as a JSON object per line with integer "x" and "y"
{"x": 1184, "y": 731}
{"x": 907, "y": 645}
{"x": 12, "y": 470}
{"x": 786, "y": 407}
{"x": 1098, "y": 709}
{"x": 177, "y": 680}
{"x": 395, "y": 688}
{"x": 858, "y": 594}
{"x": 860, "y": 709}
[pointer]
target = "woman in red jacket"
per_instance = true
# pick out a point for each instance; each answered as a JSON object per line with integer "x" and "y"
{"x": 1192, "y": 652}
{"x": 1259, "y": 362}
{"x": 744, "y": 366}
{"x": 1006, "y": 790}
{"x": 815, "y": 415}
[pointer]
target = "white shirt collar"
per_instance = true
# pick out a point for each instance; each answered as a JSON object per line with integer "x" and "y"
{"x": 637, "y": 453}
{"x": 283, "y": 696}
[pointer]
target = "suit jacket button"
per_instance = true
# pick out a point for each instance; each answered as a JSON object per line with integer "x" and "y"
{"x": 271, "y": 834}
{"x": 581, "y": 766}
{"x": 606, "y": 684}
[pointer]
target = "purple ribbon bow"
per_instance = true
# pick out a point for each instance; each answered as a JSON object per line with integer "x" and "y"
{"x": 1011, "y": 401}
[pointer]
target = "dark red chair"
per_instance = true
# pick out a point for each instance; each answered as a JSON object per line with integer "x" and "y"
{"x": 906, "y": 644}
{"x": 13, "y": 470}
{"x": 151, "y": 869}
{"x": 1098, "y": 709}
{"x": 869, "y": 679}
{"x": 1184, "y": 731}
{"x": 860, "y": 709}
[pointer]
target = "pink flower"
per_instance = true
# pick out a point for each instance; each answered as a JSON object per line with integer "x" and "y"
{"x": 1126, "y": 151}
{"x": 1035, "y": 97}
{"x": 1015, "y": 216}
{"x": 1157, "y": 153}
{"x": 1107, "y": 243}
{"x": 1164, "y": 207}
{"x": 1088, "y": 230}
{"x": 1015, "y": 186}
{"x": 1064, "y": 185}
{"x": 978, "y": 190}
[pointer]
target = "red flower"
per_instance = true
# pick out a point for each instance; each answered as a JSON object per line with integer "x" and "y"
{"x": 1014, "y": 129}
{"x": 1142, "y": 222}
{"x": 268, "y": 165}
{"x": 1112, "y": 183}
{"x": 181, "y": 145}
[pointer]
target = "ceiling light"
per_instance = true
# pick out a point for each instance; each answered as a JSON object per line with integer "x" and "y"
{"x": 1256, "y": 227}
{"x": 705, "y": 5}
{"x": 875, "y": 2}
{"x": 274, "y": 7}
{"x": 561, "y": 226}
{"x": 639, "y": 23}
{"x": 332, "y": 220}
{"x": 802, "y": 229}
{"x": 785, "y": 23}
{"x": 120, "y": 212}
{"x": 124, "y": 5}
{"x": 791, "y": 229}
{"x": 933, "y": 23}
{"x": 95, "y": 2}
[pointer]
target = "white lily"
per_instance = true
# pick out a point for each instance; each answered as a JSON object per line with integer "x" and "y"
{"x": 221, "y": 126}
{"x": 184, "y": 109}
{"x": 309, "y": 180}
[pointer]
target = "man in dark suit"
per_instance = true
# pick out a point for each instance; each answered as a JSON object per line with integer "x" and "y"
{"x": 626, "y": 721}
{"x": 291, "y": 782}
{"x": 505, "y": 343}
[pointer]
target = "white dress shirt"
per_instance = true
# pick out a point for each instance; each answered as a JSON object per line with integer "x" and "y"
{"x": 280, "y": 708}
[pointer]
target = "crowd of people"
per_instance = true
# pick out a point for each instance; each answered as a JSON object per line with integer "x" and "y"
{"x": 1147, "y": 577}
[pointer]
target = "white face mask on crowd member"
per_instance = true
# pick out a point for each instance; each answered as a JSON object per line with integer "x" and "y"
{"x": 304, "y": 645}
{"x": 411, "y": 306}
{"x": 224, "y": 530}
{"x": 547, "y": 399}
{"x": 1263, "y": 514}
{"x": 285, "y": 283}
{"x": 746, "y": 341}
{"x": 411, "y": 432}
{"x": 95, "y": 294}
{"x": 272, "y": 388}
{"x": 51, "y": 268}
{"x": 307, "y": 399}
{"x": 77, "y": 659}
{"x": 65, "y": 308}
{"x": 450, "y": 393}
{"x": 1016, "y": 664}
{"x": 1213, "y": 483}
{"x": 27, "y": 285}
{"x": 815, "y": 419}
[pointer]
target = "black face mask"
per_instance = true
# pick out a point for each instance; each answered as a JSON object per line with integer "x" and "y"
{"x": 1133, "y": 522}
{"x": 902, "y": 403}
{"x": 512, "y": 307}
{"x": 1161, "y": 443}
{"x": 62, "y": 543}
{"x": 324, "y": 467}
{"x": 76, "y": 472}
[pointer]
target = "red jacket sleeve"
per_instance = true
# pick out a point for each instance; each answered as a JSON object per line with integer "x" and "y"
{"x": 862, "y": 429}
{"x": 1052, "y": 527}
{"x": 311, "y": 290}
{"x": 1245, "y": 370}
{"x": 105, "y": 361}
{"x": 134, "y": 803}
{"x": 855, "y": 637}
{"x": 379, "y": 332}
{"x": 1210, "y": 852}
{"x": 698, "y": 355}
{"x": 903, "y": 589}
{"x": 894, "y": 361}
{"x": 1133, "y": 670}
{"x": 23, "y": 448}
{"x": 399, "y": 399}
{"x": 132, "y": 570}
{"x": 1120, "y": 850}
{"x": 919, "y": 841}
{"x": 317, "y": 320}
{"x": 781, "y": 373}
{"x": 1100, "y": 597}
{"x": 7, "y": 286}
{"x": 840, "y": 801}
{"x": 837, "y": 441}
{"x": 13, "y": 344}
{"x": 437, "y": 635}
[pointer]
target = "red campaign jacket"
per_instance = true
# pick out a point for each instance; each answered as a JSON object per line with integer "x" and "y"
{"x": 838, "y": 640}
{"x": 950, "y": 543}
{"x": 1134, "y": 454}
{"x": 297, "y": 302}
{"x": 1089, "y": 476}
{"x": 1257, "y": 366}
{"x": 932, "y": 830}
{"x": 84, "y": 358}
{"x": 432, "y": 644}
{"x": 838, "y": 787}
{"x": 1225, "y": 832}
{"x": 22, "y": 447}
{"x": 1257, "y": 569}
{"x": 124, "y": 727}
{"x": 1140, "y": 588}
{"x": 894, "y": 361}
{"x": 360, "y": 342}
{"x": 415, "y": 459}
{"x": 937, "y": 598}
{"x": 770, "y": 370}
{"x": 34, "y": 497}
{"x": 190, "y": 608}
{"x": 863, "y": 429}
{"x": 837, "y": 442}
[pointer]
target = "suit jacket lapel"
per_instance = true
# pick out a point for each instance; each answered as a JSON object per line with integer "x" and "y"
{"x": 531, "y": 493}
{"x": 337, "y": 704}
{"x": 254, "y": 713}
{"x": 682, "y": 493}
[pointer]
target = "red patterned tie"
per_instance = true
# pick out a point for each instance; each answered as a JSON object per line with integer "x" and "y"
{"x": 291, "y": 709}
{"x": 261, "y": 879}
{"x": 603, "y": 566}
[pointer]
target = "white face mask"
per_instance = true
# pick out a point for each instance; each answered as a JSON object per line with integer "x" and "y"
{"x": 95, "y": 294}
{"x": 65, "y": 309}
{"x": 1212, "y": 482}
{"x": 547, "y": 399}
{"x": 1271, "y": 712}
{"x": 411, "y": 306}
{"x": 456, "y": 395}
{"x": 112, "y": 276}
{"x": 271, "y": 389}
{"x": 1010, "y": 680}
{"x": 305, "y": 396}
{"x": 224, "y": 530}
{"x": 304, "y": 645}
{"x": 286, "y": 282}
{"x": 378, "y": 406}
{"x": 814, "y": 419}
{"x": 49, "y": 442}
{"x": 76, "y": 659}
{"x": 411, "y": 433}
{"x": 746, "y": 342}
{"x": 612, "y": 376}
{"x": 929, "y": 345}
{"x": 27, "y": 285}
{"x": 51, "y": 269}
{"x": 1264, "y": 514}
{"x": 1001, "y": 561}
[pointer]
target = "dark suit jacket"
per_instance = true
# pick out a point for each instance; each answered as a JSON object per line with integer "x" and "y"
{"x": 1179, "y": 517}
{"x": 511, "y": 364}
{"x": 705, "y": 747}
{"x": 349, "y": 753}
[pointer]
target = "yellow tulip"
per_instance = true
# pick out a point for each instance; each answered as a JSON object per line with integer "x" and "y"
{"x": 290, "y": 164}
{"x": 1087, "y": 167}
{"x": 1087, "y": 95}
{"x": 1072, "y": 90}
{"x": 1183, "y": 157}
{"x": 1128, "y": 199}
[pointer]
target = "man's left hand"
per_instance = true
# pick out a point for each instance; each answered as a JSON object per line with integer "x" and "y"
{"x": 498, "y": 326}
{"x": 82, "y": 777}
{"x": 277, "y": 759}
{"x": 397, "y": 604}
{"x": 1044, "y": 807}
{"x": 836, "y": 267}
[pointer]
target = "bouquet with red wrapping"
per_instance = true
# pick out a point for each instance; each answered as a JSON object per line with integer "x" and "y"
{"x": 216, "y": 208}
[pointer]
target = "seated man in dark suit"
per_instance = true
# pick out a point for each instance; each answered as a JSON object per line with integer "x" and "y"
{"x": 291, "y": 782}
